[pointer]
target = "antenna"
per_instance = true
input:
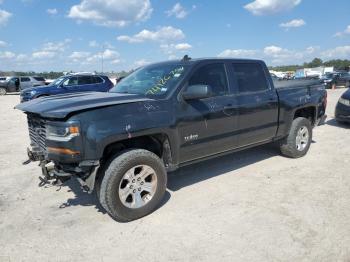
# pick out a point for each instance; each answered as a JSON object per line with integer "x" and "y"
{"x": 186, "y": 58}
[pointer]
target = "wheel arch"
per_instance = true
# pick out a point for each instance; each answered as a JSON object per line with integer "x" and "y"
{"x": 308, "y": 112}
{"x": 158, "y": 143}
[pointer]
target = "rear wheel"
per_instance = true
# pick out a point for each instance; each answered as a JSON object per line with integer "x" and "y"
{"x": 133, "y": 185}
{"x": 2, "y": 91}
{"x": 297, "y": 143}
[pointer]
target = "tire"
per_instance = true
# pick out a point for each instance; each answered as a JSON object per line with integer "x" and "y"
{"x": 289, "y": 146}
{"x": 3, "y": 91}
{"x": 133, "y": 185}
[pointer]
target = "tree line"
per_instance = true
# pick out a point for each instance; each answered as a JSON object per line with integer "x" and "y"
{"x": 338, "y": 64}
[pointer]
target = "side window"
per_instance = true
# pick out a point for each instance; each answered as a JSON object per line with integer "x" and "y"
{"x": 84, "y": 80}
{"x": 250, "y": 77}
{"x": 25, "y": 79}
{"x": 97, "y": 80}
{"x": 213, "y": 75}
{"x": 72, "y": 81}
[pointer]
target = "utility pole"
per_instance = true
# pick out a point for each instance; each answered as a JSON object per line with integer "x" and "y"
{"x": 103, "y": 50}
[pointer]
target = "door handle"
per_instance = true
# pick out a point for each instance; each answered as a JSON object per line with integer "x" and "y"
{"x": 228, "y": 110}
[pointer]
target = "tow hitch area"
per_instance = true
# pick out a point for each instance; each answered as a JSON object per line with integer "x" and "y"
{"x": 50, "y": 176}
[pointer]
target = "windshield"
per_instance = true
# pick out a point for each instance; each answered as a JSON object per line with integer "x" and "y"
{"x": 57, "y": 81}
{"x": 154, "y": 80}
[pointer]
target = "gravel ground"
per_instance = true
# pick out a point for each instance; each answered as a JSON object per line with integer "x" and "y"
{"x": 253, "y": 205}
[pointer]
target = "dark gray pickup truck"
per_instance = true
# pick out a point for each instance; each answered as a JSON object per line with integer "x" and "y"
{"x": 162, "y": 117}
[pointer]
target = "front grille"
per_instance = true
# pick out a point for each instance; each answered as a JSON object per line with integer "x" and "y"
{"x": 37, "y": 133}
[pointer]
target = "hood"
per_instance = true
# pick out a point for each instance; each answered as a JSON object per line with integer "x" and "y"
{"x": 60, "y": 106}
{"x": 36, "y": 88}
{"x": 346, "y": 95}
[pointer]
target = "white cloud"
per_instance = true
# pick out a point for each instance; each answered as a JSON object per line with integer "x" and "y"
{"x": 52, "y": 11}
{"x": 164, "y": 34}
{"x": 107, "y": 55}
{"x": 51, "y": 49}
{"x": 172, "y": 50}
{"x": 4, "y": 17}
{"x": 111, "y": 12}
{"x": 279, "y": 55}
{"x": 178, "y": 11}
{"x": 110, "y": 54}
{"x": 141, "y": 62}
{"x": 337, "y": 52}
{"x": 312, "y": 49}
{"x": 44, "y": 54}
{"x": 56, "y": 46}
{"x": 79, "y": 55}
{"x": 22, "y": 57}
{"x": 239, "y": 53}
{"x": 293, "y": 23}
{"x": 345, "y": 32}
{"x": 3, "y": 44}
{"x": 183, "y": 46}
{"x": 267, "y": 7}
{"x": 7, "y": 55}
{"x": 274, "y": 54}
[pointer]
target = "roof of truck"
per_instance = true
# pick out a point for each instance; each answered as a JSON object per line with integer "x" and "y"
{"x": 197, "y": 60}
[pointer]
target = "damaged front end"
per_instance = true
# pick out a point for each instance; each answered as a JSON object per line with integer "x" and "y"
{"x": 58, "y": 148}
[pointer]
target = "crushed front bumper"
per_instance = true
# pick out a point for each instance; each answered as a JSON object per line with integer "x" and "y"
{"x": 56, "y": 173}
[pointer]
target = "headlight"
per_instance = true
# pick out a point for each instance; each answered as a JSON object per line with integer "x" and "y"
{"x": 32, "y": 93}
{"x": 344, "y": 101}
{"x": 62, "y": 133}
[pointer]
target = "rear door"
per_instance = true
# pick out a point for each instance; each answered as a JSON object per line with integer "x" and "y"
{"x": 86, "y": 84}
{"x": 25, "y": 82}
{"x": 99, "y": 84}
{"x": 257, "y": 102}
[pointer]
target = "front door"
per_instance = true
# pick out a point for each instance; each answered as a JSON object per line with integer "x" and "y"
{"x": 207, "y": 126}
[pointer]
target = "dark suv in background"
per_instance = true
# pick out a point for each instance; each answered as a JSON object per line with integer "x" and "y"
{"x": 69, "y": 84}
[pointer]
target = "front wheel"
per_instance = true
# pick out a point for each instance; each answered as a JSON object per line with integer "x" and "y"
{"x": 2, "y": 91}
{"x": 133, "y": 185}
{"x": 298, "y": 141}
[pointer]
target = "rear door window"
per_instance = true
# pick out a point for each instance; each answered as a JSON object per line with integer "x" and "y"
{"x": 39, "y": 79}
{"x": 25, "y": 79}
{"x": 97, "y": 80}
{"x": 250, "y": 77}
{"x": 84, "y": 80}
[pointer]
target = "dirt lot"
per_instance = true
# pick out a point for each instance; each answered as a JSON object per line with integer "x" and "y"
{"x": 250, "y": 206}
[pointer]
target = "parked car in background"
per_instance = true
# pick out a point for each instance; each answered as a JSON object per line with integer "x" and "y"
{"x": 336, "y": 79}
{"x": 4, "y": 78}
{"x": 13, "y": 84}
{"x": 37, "y": 81}
{"x": 18, "y": 83}
{"x": 69, "y": 84}
{"x": 165, "y": 116}
{"x": 342, "y": 110}
{"x": 342, "y": 79}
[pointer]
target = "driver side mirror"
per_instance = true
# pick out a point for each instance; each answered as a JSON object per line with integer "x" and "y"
{"x": 197, "y": 92}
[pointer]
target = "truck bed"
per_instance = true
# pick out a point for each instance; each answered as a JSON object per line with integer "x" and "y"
{"x": 295, "y": 83}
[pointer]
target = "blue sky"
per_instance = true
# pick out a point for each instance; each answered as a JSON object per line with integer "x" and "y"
{"x": 74, "y": 35}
